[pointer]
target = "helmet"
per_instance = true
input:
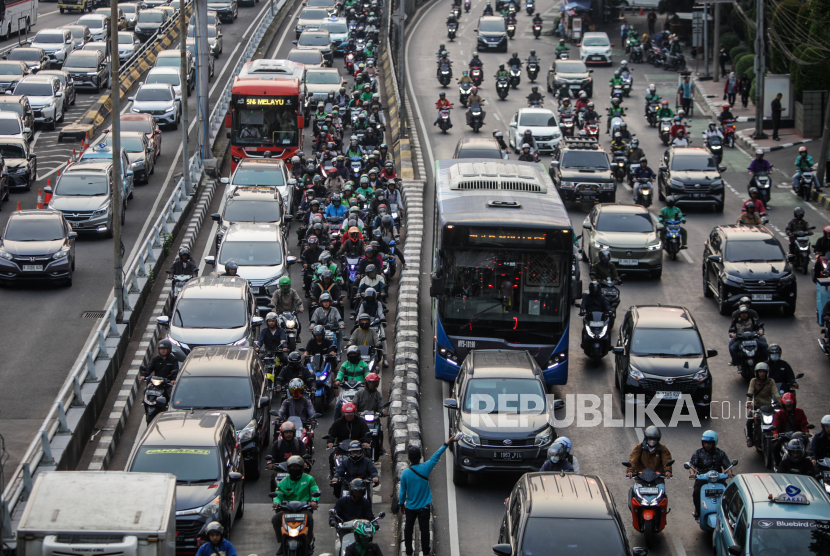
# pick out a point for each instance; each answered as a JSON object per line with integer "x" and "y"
{"x": 296, "y": 388}
{"x": 501, "y": 66}
{"x": 725, "y": 106}
{"x": 325, "y": 256}
{"x": 318, "y": 330}
{"x": 753, "y": 190}
{"x": 665, "y": 103}
{"x": 749, "y": 205}
{"x": 583, "y": 94}
{"x": 617, "y": 73}
{"x": 288, "y": 426}
{"x": 605, "y": 256}
{"x": 798, "y": 212}
{"x": 651, "y": 86}
{"x": 788, "y": 399}
{"x": 556, "y": 452}
{"x": 533, "y": 52}
{"x": 617, "y": 135}
{"x": 802, "y": 149}
{"x": 370, "y": 293}
{"x": 761, "y": 367}
{"x": 826, "y": 231}
{"x": 295, "y": 460}
{"x": 624, "y": 63}
{"x": 295, "y": 159}
{"x": 635, "y": 143}
{"x": 387, "y": 221}
{"x": 525, "y": 146}
{"x": 515, "y": 54}
{"x": 759, "y": 153}
{"x": 681, "y": 113}
{"x": 774, "y": 350}
{"x": 165, "y": 344}
{"x": 348, "y": 408}
{"x": 357, "y": 487}
{"x": 566, "y": 442}
{"x": 745, "y": 301}
{"x": 475, "y": 54}
{"x": 562, "y": 42}
{"x": 594, "y": 288}
{"x": 364, "y": 528}
{"x": 825, "y": 421}
{"x": 184, "y": 251}
{"x": 442, "y": 94}
{"x": 710, "y": 436}
{"x": 271, "y": 316}
{"x": 535, "y": 89}
{"x": 214, "y": 527}
{"x": 591, "y": 105}
{"x": 326, "y": 275}
{"x": 795, "y": 450}
{"x": 325, "y": 297}
{"x": 670, "y": 200}
{"x": 372, "y": 377}
{"x": 652, "y": 436}
{"x": 371, "y": 267}
{"x": 743, "y": 309}
{"x": 355, "y": 451}
{"x": 294, "y": 359}
{"x": 615, "y": 101}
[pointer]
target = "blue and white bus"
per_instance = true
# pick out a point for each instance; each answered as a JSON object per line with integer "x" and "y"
{"x": 503, "y": 252}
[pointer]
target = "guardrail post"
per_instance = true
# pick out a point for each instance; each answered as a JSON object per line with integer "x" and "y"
{"x": 177, "y": 207}
{"x": 156, "y": 241}
{"x": 102, "y": 346}
{"x": 27, "y": 480}
{"x": 46, "y": 448}
{"x": 142, "y": 268}
{"x": 91, "y": 375}
{"x": 127, "y": 306}
{"x": 164, "y": 229}
{"x": 113, "y": 323}
{"x": 168, "y": 213}
{"x": 151, "y": 257}
{"x": 63, "y": 427}
{"x": 76, "y": 387}
{"x": 134, "y": 287}
{"x": 6, "y": 526}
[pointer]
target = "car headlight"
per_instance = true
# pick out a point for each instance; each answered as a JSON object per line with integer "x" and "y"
{"x": 248, "y": 432}
{"x": 734, "y": 279}
{"x": 468, "y": 437}
{"x": 102, "y": 211}
{"x": 135, "y": 110}
{"x": 171, "y": 109}
{"x": 242, "y": 342}
{"x": 702, "y": 374}
{"x": 569, "y": 184}
{"x": 656, "y": 247}
{"x": 787, "y": 279}
{"x": 92, "y": 73}
{"x": 676, "y": 183}
{"x": 556, "y": 360}
{"x": 211, "y": 507}
{"x": 600, "y": 246}
{"x": 17, "y": 171}
{"x": 635, "y": 373}
{"x": 609, "y": 186}
{"x": 6, "y": 255}
{"x": 545, "y": 437}
{"x": 62, "y": 254}
{"x": 556, "y": 134}
{"x": 137, "y": 164}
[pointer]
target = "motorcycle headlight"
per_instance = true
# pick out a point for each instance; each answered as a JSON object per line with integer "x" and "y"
{"x": 211, "y": 507}
{"x": 599, "y": 334}
{"x": 468, "y": 437}
{"x": 62, "y": 254}
{"x": 635, "y": 373}
{"x": 767, "y": 419}
{"x": 656, "y": 247}
{"x": 248, "y": 432}
{"x": 702, "y": 374}
{"x": 290, "y": 324}
{"x": 545, "y": 437}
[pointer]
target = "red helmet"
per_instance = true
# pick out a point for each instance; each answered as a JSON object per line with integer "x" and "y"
{"x": 348, "y": 408}
{"x": 827, "y": 231}
{"x": 372, "y": 377}
{"x": 726, "y": 106}
{"x": 788, "y": 399}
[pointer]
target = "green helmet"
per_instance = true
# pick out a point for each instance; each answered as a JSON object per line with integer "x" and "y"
{"x": 285, "y": 283}
{"x": 364, "y": 531}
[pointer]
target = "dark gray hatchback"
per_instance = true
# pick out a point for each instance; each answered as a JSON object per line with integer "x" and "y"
{"x": 37, "y": 245}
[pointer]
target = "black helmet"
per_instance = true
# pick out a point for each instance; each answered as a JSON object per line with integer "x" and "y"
{"x": 165, "y": 344}
{"x": 652, "y": 436}
{"x": 231, "y": 266}
{"x": 795, "y": 451}
{"x": 774, "y": 350}
{"x": 515, "y": 54}
{"x": 326, "y": 275}
{"x": 605, "y": 256}
{"x": 594, "y": 288}
{"x": 214, "y": 527}
{"x": 294, "y": 359}
{"x": 442, "y": 94}
{"x": 557, "y": 452}
{"x": 355, "y": 451}
{"x": 533, "y": 52}
{"x": 184, "y": 251}
{"x": 670, "y": 200}
{"x": 798, "y": 212}
{"x": 753, "y": 190}
{"x": 318, "y": 330}
{"x": 358, "y": 487}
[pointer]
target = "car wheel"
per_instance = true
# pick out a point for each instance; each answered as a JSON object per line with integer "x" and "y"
{"x": 660, "y": 193}
{"x": 656, "y": 274}
{"x": 62, "y": 10}
{"x": 549, "y": 89}
{"x": 152, "y": 170}
{"x": 707, "y": 291}
{"x": 705, "y": 413}
{"x": 459, "y": 477}
{"x": 68, "y": 281}
{"x": 616, "y": 380}
{"x": 719, "y": 205}
{"x": 789, "y": 310}
{"x": 109, "y": 232}
{"x": 240, "y": 509}
{"x": 254, "y": 473}
{"x": 723, "y": 308}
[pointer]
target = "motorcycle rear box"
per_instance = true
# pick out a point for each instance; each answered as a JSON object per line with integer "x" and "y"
{"x": 822, "y": 296}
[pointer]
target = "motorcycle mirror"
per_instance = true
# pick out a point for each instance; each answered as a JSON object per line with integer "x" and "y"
{"x": 790, "y": 258}
{"x": 142, "y": 368}
{"x": 264, "y": 400}
{"x": 387, "y": 404}
{"x": 274, "y": 413}
{"x": 316, "y": 415}
{"x": 687, "y": 465}
{"x": 332, "y": 512}
{"x": 272, "y": 495}
{"x": 626, "y": 464}
{"x": 307, "y": 456}
{"x": 619, "y": 350}
{"x": 639, "y": 551}
{"x": 734, "y": 462}
{"x": 810, "y": 427}
{"x": 382, "y": 514}
{"x": 669, "y": 463}
{"x": 161, "y": 400}
{"x": 799, "y": 375}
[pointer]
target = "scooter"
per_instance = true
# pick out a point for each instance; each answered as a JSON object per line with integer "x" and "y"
{"x": 502, "y": 87}
{"x": 619, "y": 165}
{"x": 155, "y": 395}
{"x": 467, "y": 6}
{"x": 345, "y": 529}
{"x": 349, "y": 272}
{"x": 802, "y": 249}
{"x": 515, "y": 73}
{"x": 635, "y": 56}
{"x": 304, "y": 430}
{"x": 530, "y": 7}
{"x": 617, "y": 92}
{"x": 729, "y": 127}
{"x": 323, "y": 369}
{"x": 372, "y": 419}
{"x": 612, "y": 294}
{"x": 444, "y": 76}
{"x": 563, "y": 55}
{"x": 805, "y": 187}
{"x": 178, "y": 282}
{"x": 452, "y": 28}
{"x": 626, "y": 86}
{"x": 444, "y": 119}
{"x": 511, "y": 30}
{"x": 784, "y": 439}
{"x": 651, "y": 115}
{"x": 464, "y": 92}
{"x": 673, "y": 240}
{"x": 295, "y": 534}
{"x": 665, "y": 130}
{"x": 644, "y": 195}
{"x": 592, "y": 129}
{"x": 749, "y": 347}
{"x": 348, "y": 390}
{"x": 476, "y": 76}
{"x": 537, "y": 30}
{"x": 350, "y": 63}
{"x": 715, "y": 146}
{"x": 456, "y": 9}
{"x": 288, "y": 321}
{"x": 532, "y": 71}
{"x": 762, "y": 430}
{"x": 567, "y": 124}
{"x": 649, "y": 505}
{"x": 710, "y": 495}
{"x": 763, "y": 183}
{"x": 596, "y": 340}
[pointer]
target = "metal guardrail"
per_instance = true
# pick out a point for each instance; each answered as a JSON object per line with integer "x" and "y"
{"x": 39, "y": 453}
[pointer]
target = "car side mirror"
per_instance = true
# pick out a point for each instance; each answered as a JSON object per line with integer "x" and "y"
{"x": 294, "y": 42}
{"x": 512, "y": 124}
{"x": 722, "y": 168}
{"x": 735, "y": 550}
{"x": 502, "y": 550}
{"x": 436, "y": 287}
{"x": 264, "y": 400}
{"x": 714, "y": 258}
{"x": 711, "y": 353}
{"x": 475, "y": 30}
{"x": 451, "y": 403}
{"x": 163, "y": 320}
{"x": 554, "y": 163}
{"x": 211, "y": 261}
{"x": 224, "y": 180}
{"x": 799, "y": 375}
{"x": 131, "y": 98}
{"x": 791, "y": 258}
{"x": 639, "y": 551}
{"x": 257, "y": 321}
{"x": 586, "y": 225}
{"x": 48, "y": 189}
{"x": 235, "y": 477}
{"x": 590, "y": 71}
{"x": 291, "y": 260}
{"x": 619, "y": 350}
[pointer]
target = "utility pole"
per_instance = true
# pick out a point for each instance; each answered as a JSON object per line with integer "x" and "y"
{"x": 401, "y": 68}
{"x": 203, "y": 49}
{"x": 825, "y": 144}
{"x": 118, "y": 187}
{"x": 760, "y": 66}
{"x": 706, "y": 39}
{"x": 716, "y": 42}
{"x": 188, "y": 187}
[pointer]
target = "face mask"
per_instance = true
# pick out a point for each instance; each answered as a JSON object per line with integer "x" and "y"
{"x": 354, "y": 359}
{"x": 554, "y": 459}
{"x": 295, "y": 473}
{"x": 652, "y": 443}
{"x": 774, "y": 357}
{"x": 364, "y": 326}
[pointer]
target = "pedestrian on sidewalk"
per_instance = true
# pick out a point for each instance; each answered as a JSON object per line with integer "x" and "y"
{"x": 723, "y": 58}
{"x": 416, "y": 496}
{"x": 744, "y": 85}
{"x": 776, "y": 115}
{"x": 686, "y": 92}
{"x": 730, "y": 89}
{"x": 652, "y": 21}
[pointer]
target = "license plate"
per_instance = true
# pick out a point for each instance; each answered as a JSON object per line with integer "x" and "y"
{"x": 32, "y": 268}
{"x": 715, "y": 493}
{"x": 697, "y": 195}
{"x": 629, "y": 262}
{"x": 761, "y": 297}
{"x": 595, "y": 57}
{"x": 596, "y": 323}
{"x": 668, "y": 395}
{"x": 512, "y": 456}
{"x": 648, "y": 490}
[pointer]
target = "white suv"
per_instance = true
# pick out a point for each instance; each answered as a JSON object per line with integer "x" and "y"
{"x": 57, "y": 43}
{"x": 45, "y": 96}
{"x": 12, "y": 126}
{"x": 595, "y": 48}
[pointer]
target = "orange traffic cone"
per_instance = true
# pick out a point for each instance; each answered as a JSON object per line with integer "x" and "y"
{"x": 642, "y": 12}
{"x": 18, "y": 205}
{"x": 48, "y": 193}
{"x": 40, "y": 198}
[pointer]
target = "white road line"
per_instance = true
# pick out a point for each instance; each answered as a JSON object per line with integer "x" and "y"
{"x": 686, "y": 256}
{"x": 34, "y": 139}
{"x": 496, "y": 114}
{"x": 285, "y": 31}
{"x": 208, "y": 245}
{"x": 678, "y": 545}
{"x": 43, "y": 177}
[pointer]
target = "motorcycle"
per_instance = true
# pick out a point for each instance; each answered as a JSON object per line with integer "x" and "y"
{"x": 502, "y": 87}
{"x": 748, "y": 347}
{"x": 612, "y": 293}
{"x": 345, "y": 529}
{"x": 452, "y": 28}
{"x": 348, "y": 390}
{"x": 511, "y": 30}
{"x": 619, "y": 165}
{"x": 763, "y": 182}
{"x": 467, "y": 6}
{"x": 355, "y": 166}
{"x": 156, "y": 398}
{"x": 806, "y": 183}
{"x": 596, "y": 339}
{"x": 617, "y": 92}
{"x": 645, "y": 194}
{"x": 563, "y": 55}
{"x": 635, "y": 56}
{"x": 349, "y": 273}
{"x": 324, "y": 368}
{"x": 444, "y": 75}
{"x": 710, "y": 495}
{"x": 537, "y": 30}
{"x": 464, "y": 92}
{"x": 532, "y": 71}
{"x": 651, "y": 114}
{"x": 456, "y": 9}
{"x": 567, "y": 124}
{"x": 729, "y": 127}
{"x": 802, "y": 249}
{"x": 665, "y": 130}
{"x": 784, "y": 439}
{"x": 289, "y": 322}
{"x": 676, "y": 62}
{"x": 444, "y": 119}
{"x": 295, "y": 534}
{"x": 536, "y": 103}
{"x": 515, "y": 76}
{"x": 304, "y": 430}
{"x": 178, "y": 282}
{"x": 762, "y": 430}
{"x": 476, "y": 76}
{"x": 626, "y": 85}
{"x": 372, "y": 419}
{"x": 673, "y": 239}
{"x": 649, "y": 505}
{"x": 530, "y": 7}
{"x": 715, "y": 146}
{"x": 592, "y": 129}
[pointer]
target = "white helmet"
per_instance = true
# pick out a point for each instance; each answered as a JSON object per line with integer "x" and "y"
{"x": 271, "y": 316}
{"x": 825, "y": 420}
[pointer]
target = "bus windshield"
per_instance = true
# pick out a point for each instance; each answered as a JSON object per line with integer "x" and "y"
{"x": 267, "y": 121}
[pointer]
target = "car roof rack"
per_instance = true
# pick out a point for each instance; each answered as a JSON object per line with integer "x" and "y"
{"x": 586, "y": 143}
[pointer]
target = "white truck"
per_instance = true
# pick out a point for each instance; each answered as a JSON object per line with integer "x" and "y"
{"x": 88, "y": 513}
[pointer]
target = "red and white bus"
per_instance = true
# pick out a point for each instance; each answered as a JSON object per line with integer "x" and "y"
{"x": 17, "y": 16}
{"x": 265, "y": 116}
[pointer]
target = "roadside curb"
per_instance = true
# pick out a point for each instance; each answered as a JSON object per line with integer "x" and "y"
{"x": 745, "y": 139}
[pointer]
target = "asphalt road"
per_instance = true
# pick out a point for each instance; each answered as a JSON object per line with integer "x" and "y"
{"x": 46, "y": 320}
{"x": 468, "y": 518}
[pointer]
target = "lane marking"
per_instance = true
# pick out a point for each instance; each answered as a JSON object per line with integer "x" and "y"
{"x": 34, "y": 139}
{"x": 686, "y": 256}
{"x": 678, "y": 545}
{"x": 285, "y": 32}
{"x": 209, "y": 244}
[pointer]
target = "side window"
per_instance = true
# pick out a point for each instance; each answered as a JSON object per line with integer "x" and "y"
{"x": 515, "y": 514}
{"x": 739, "y": 535}
{"x": 735, "y": 507}
{"x": 628, "y": 324}
{"x": 728, "y": 494}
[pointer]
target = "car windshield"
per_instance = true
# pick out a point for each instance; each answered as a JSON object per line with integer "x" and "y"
{"x": 212, "y": 392}
{"x": 144, "y": 126}
{"x": 571, "y": 66}
{"x": 11, "y": 69}
{"x": 9, "y": 126}
{"x": 492, "y": 26}
{"x": 586, "y": 160}
{"x": 91, "y": 22}
{"x": 147, "y": 94}
{"x": 790, "y": 537}
{"x": 251, "y": 253}
{"x": 48, "y": 37}
{"x": 189, "y": 465}
{"x": 25, "y": 55}
{"x": 537, "y": 119}
{"x": 210, "y": 313}
{"x": 666, "y": 342}
{"x": 635, "y": 222}
{"x": 12, "y": 151}
{"x": 128, "y": 8}
{"x": 314, "y": 14}
{"x": 572, "y": 537}
{"x": 163, "y": 77}
{"x": 191, "y": 31}
{"x": 125, "y": 38}
{"x": 169, "y": 61}
{"x": 257, "y": 175}
{"x": 34, "y": 89}
{"x": 322, "y": 78}
{"x": 77, "y": 32}
{"x": 686, "y": 163}
{"x": 82, "y": 185}
{"x": 595, "y": 41}
{"x": 336, "y": 28}
{"x": 313, "y": 40}
{"x": 494, "y": 153}
{"x": 747, "y": 251}
{"x": 310, "y": 57}
{"x": 320, "y": 3}
{"x": 82, "y": 60}
{"x": 34, "y": 229}
{"x": 253, "y": 211}
{"x": 502, "y": 395}
{"x": 151, "y": 17}
{"x": 131, "y": 144}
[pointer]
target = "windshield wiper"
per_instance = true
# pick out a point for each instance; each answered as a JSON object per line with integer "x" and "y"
{"x": 497, "y": 304}
{"x": 197, "y": 481}
{"x": 655, "y": 355}
{"x": 233, "y": 408}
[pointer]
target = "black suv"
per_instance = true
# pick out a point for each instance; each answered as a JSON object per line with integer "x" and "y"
{"x": 692, "y": 176}
{"x": 575, "y": 513}
{"x": 485, "y": 446}
{"x": 660, "y": 354}
{"x": 581, "y": 173}
{"x": 492, "y": 33}
{"x": 229, "y": 379}
{"x": 572, "y": 73}
{"x": 203, "y": 454}
{"x": 748, "y": 261}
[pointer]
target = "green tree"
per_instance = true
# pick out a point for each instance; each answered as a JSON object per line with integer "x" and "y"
{"x": 730, "y": 41}
{"x": 745, "y": 64}
{"x": 738, "y": 51}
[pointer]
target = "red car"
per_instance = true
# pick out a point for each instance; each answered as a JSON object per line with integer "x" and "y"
{"x": 145, "y": 124}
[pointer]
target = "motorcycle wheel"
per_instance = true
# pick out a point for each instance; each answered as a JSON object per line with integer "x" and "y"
{"x": 673, "y": 255}
{"x": 805, "y": 265}
{"x": 319, "y": 405}
{"x": 767, "y": 454}
{"x": 649, "y": 532}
